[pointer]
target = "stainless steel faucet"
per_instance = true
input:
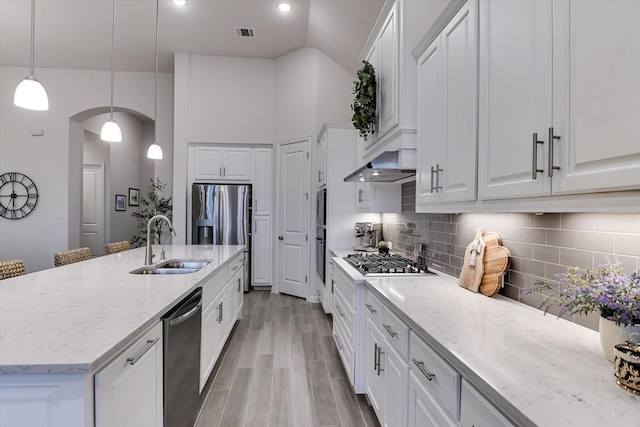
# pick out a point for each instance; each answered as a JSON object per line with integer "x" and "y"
{"x": 148, "y": 258}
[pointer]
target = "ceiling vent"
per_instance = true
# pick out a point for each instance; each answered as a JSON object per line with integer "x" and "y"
{"x": 244, "y": 32}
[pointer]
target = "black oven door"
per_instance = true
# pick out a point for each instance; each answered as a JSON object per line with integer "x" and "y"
{"x": 321, "y": 208}
{"x": 320, "y": 253}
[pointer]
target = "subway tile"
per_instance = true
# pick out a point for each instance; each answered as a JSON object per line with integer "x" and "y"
{"x": 460, "y": 251}
{"x": 591, "y": 320}
{"x": 629, "y": 264}
{"x": 439, "y": 226}
{"x": 547, "y": 220}
{"x": 457, "y": 218}
{"x": 617, "y": 222}
{"x": 577, "y": 221}
{"x": 512, "y": 219}
{"x": 441, "y": 237}
{"x": 458, "y": 240}
{"x": 563, "y": 238}
{"x": 512, "y": 292}
{"x": 533, "y": 268}
{"x": 516, "y": 264}
{"x": 519, "y": 249}
{"x": 505, "y": 232}
{"x": 518, "y": 279}
{"x": 534, "y": 235}
{"x": 440, "y": 217}
{"x": 576, "y": 258}
{"x": 455, "y": 261}
{"x": 552, "y": 270}
{"x": 627, "y": 244}
{"x": 593, "y": 241}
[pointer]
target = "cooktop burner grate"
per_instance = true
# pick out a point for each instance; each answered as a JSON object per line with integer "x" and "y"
{"x": 382, "y": 264}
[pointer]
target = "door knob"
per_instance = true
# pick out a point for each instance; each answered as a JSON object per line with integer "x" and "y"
{"x": 280, "y": 238}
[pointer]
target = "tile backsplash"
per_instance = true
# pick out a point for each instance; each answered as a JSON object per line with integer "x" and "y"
{"x": 541, "y": 245}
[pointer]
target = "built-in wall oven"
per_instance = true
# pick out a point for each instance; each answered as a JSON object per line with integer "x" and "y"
{"x": 321, "y": 223}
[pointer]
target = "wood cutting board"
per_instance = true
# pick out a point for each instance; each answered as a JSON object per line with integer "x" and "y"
{"x": 496, "y": 264}
{"x": 473, "y": 266}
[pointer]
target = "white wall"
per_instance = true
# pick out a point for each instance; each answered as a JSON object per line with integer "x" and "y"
{"x": 54, "y": 161}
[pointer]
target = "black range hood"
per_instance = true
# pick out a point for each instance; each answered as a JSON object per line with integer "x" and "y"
{"x": 384, "y": 168}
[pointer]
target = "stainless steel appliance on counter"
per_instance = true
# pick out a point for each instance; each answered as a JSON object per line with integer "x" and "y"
{"x": 386, "y": 264}
{"x": 370, "y": 233}
{"x": 221, "y": 215}
{"x": 181, "y": 333}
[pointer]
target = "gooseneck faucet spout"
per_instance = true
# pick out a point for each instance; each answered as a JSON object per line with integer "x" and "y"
{"x": 148, "y": 259}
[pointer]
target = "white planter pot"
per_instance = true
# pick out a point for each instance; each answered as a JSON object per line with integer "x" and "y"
{"x": 612, "y": 334}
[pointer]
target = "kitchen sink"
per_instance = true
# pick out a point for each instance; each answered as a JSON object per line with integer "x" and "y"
{"x": 173, "y": 266}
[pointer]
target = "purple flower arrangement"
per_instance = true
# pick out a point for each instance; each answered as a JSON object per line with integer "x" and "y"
{"x": 605, "y": 289}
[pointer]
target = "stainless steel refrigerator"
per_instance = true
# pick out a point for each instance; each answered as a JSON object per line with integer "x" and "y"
{"x": 221, "y": 215}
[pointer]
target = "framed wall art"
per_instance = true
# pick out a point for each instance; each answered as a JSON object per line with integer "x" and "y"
{"x": 121, "y": 202}
{"x": 134, "y": 197}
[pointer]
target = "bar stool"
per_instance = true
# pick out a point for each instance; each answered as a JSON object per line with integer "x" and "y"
{"x": 11, "y": 268}
{"x": 116, "y": 247}
{"x": 71, "y": 256}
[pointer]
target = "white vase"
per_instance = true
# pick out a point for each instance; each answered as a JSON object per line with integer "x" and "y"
{"x": 612, "y": 334}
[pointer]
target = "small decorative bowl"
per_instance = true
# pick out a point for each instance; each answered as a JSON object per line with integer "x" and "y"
{"x": 626, "y": 366}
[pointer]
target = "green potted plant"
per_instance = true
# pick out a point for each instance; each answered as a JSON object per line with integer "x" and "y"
{"x": 153, "y": 204}
{"x": 364, "y": 104}
{"x": 383, "y": 247}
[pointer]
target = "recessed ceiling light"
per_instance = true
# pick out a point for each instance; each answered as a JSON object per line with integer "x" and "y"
{"x": 375, "y": 173}
{"x": 284, "y": 7}
{"x": 180, "y": 2}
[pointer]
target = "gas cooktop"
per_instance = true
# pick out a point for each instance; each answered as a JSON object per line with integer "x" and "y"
{"x": 386, "y": 264}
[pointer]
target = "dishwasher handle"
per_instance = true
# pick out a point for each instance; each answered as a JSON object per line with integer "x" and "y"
{"x": 187, "y": 309}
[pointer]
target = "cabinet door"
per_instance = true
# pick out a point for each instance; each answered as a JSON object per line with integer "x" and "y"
{"x": 430, "y": 117}
{"x": 387, "y": 73}
{"x": 262, "y": 251}
{"x": 375, "y": 370}
{"x": 515, "y": 98}
{"x": 596, "y": 102}
{"x": 396, "y": 385}
{"x": 230, "y": 310}
{"x": 239, "y": 298}
{"x": 458, "y": 149}
{"x": 263, "y": 181}
{"x": 207, "y": 342}
{"x": 363, "y": 195}
{"x": 322, "y": 161}
{"x": 128, "y": 391}
{"x": 220, "y": 304}
{"x": 423, "y": 409}
{"x": 476, "y": 411}
{"x": 208, "y": 163}
{"x": 237, "y": 164}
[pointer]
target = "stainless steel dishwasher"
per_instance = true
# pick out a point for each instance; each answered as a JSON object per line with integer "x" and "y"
{"x": 181, "y": 329}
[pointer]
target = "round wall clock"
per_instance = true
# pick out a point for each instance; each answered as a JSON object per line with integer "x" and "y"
{"x": 18, "y": 195}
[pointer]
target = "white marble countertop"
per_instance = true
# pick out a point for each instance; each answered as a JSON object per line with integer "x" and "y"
{"x": 75, "y": 318}
{"x": 538, "y": 369}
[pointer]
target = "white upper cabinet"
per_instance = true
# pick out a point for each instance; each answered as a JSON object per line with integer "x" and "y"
{"x": 515, "y": 98}
{"x": 559, "y": 97}
{"x": 322, "y": 161}
{"x": 223, "y": 163}
{"x": 388, "y": 49}
{"x": 447, "y": 113}
{"x": 263, "y": 181}
{"x": 596, "y": 98}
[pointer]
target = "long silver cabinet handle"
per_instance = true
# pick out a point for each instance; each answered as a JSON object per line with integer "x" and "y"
{"x": 220, "y": 313}
{"x": 340, "y": 347}
{"x": 433, "y": 171}
{"x": 438, "y": 186}
{"x": 370, "y": 307}
{"x": 552, "y": 138}
{"x": 389, "y": 330}
{"x": 535, "y": 169}
{"x": 375, "y": 356}
{"x": 380, "y": 353}
{"x": 340, "y": 312}
{"x": 150, "y": 344}
{"x": 420, "y": 366}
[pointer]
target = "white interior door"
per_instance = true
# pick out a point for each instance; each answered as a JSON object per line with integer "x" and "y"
{"x": 93, "y": 209}
{"x": 293, "y": 222}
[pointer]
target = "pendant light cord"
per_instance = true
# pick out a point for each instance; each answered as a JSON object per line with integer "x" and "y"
{"x": 33, "y": 36}
{"x": 113, "y": 50}
{"x": 155, "y": 83}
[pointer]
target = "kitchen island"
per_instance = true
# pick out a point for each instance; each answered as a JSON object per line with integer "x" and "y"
{"x": 62, "y": 325}
{"x": 536, "y": 370}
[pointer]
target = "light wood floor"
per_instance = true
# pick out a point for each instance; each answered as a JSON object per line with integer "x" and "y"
{"x": 281, "y": 368}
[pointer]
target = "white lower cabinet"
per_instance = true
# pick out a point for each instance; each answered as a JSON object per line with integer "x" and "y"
{"x": 423, "y": 409}
{"x": 128, "y": 391}
{"x": 476, "y": 411}
{"x": 262, "y": 251}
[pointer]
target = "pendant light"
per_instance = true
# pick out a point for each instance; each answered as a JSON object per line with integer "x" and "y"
{"x": 110, "y": 130}
{"x": 30, "y": 93}
{"x": 155, "y": 151}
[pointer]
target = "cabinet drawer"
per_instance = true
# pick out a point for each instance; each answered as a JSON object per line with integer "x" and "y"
{"x": 424, "y": 410}
{"x": 476, "y": 411}
{"x": 343, "y": 314}
{"x": 345, "y": 285}
{"x": 440, "y": 379}
{"x": 396, "y": 332}
{"x": 344, "y": 349}
{"x": 374, "y": 308}
{"x": 234, "y": 266}
{"x": 213, "y": 286}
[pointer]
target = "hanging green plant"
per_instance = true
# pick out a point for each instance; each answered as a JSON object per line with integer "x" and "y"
{"x": 364, "y": 105}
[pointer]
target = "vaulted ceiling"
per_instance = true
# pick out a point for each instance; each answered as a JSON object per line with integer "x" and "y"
{"x": 76, "y": 34}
